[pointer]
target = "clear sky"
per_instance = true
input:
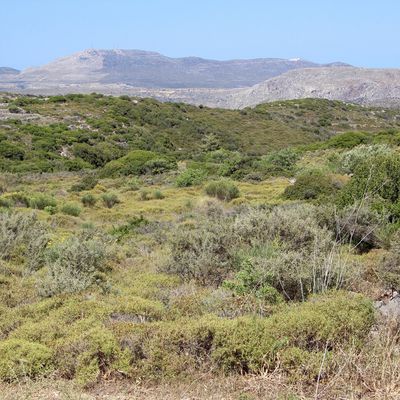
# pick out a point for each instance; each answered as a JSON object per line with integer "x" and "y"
{"x": 360, "y": 32}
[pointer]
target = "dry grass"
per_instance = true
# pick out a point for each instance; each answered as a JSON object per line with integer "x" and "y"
{"x": 269, "y": 387}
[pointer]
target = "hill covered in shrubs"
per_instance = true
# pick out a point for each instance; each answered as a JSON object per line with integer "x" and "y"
{"x": 175, "y": 245}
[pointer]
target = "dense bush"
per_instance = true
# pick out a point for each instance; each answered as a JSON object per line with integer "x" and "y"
{"x": 251, "y": 345}
{"x": 71, "y": 209}
{"x": 20, "y": 359}
{"x": 223, "y": 189}
{"x": 41, "y": 201}
{"x": 22, "y": 238}
{"x": 11, "y": 151}
{"x": 89, "y": 200}
{"x": 281, "y": 162}
{"x": 349, "y": 160}
{"x": 138, "y": 162}
{"x": 389, "y": 267}
{"x": 377, "y": 178}
{"x": 348, "y": 140}
{"x": 284, "y": 248}
{"x": 88, "y": 182}
{"x": 310, "y": 185}
{"x": 75, "y": 264}
{"x": 203, "y": 253}
{"x": 159, "y": 165}
{"x": 110, "y": 199}
{"x": 191, "y": 177}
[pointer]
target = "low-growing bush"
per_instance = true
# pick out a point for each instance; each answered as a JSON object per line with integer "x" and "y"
{"x": 22, "y": 238}
{"x": 41, "y": 201}
{"x": 86, "y": 183}
{"x": 110, "y": 199}
{"x": 51, "y": 210}
{"x": 378, "y": 178}
{"x": 6, "y": 203}
{"x": 20, "y": 359}
{"x": 71, "y": 209}
{"x": 138, "y": 162}
{"x": 223, "y": 189}
{"x": 348, "y": 140}
{"x": 89, "y": 200}
{"x": 281, "y": 162}
{"x": 310, "y": 185}
{"x": 75, "y": 264}
{"x": 158, "y": 195}
{"x": 348, "y": 161}
{"x": 144, "y": 195}
{"x": 191, "y": 177}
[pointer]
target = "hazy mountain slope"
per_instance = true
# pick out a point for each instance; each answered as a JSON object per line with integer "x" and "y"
{"x": 152, "y": 70}
{"x": 226, "y": 84}
{"x": 8, "y": 71}
{"x": 358, "y": 85}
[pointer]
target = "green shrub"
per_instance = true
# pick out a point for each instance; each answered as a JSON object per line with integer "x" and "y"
{"x": 281, "y": 162}
{"x": 86, "y": 183}
{"x": 75, "y": 264}
{"x": 110, "y": 199}
{"x": 223, "y": 190}
{"x": 71, "y": 209}
{"x": 132, "y": 224}
{"x": 6, "y": 203}
{"x": 337, "y": 319}
{"x": 21, "y": 359}
{"x": 41, "y": 201}
{"x": 293, "y": 340}
{"x": 51, "y": 210}
{"x": 133, "y": 184}
{"x": 203, "y": 253}
{"x": 348, "y": 140}
{"x": 12, "y": 151}
{"x": 144, "y": 195}
{"x": 191, "y": 177}
{"x": 250, "y": 280}
{"x": 158, "y": 195}
{"x": 349, "y": 160}
{"x": 159, "y": 165}
{"x": 137, "y": 162}
{"x": 310, "y": 185}
{"x": 14, "y": 110}
{"x": 89, "y": 200}
{"x": 22, "y": 238}
{"x": 377, "y": 177}
{"x": 18, "y": 199}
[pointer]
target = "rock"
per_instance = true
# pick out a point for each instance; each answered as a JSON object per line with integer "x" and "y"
{"x": 389, "y": 307}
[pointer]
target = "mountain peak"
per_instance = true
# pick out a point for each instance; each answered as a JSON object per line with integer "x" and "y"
{"x": 148, "y": 69}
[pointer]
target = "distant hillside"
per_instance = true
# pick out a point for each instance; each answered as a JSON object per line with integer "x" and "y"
{"x": 8, "y": 71}
{"x": 153, "y": 70}
{"x": 86, "y": 131}
{"x": 227, "y": 84}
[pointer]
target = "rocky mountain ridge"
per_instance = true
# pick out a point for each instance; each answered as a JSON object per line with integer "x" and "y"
{"x": 227, "y": 84}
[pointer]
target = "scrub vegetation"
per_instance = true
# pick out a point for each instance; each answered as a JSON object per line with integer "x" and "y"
{"x": 148, "y": 246}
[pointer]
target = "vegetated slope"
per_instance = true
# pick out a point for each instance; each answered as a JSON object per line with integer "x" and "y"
{"x": 153, "y": 70}
{"x": 53, "y": 129}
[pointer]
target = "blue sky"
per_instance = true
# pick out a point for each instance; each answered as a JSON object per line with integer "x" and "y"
{"x": 361, "y": 32}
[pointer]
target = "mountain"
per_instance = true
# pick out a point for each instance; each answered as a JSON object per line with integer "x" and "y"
{"x": 226, "y": 84}
{"x": 8, "y": 71}
{"x": 139, "y": 68}
{"x": 379, "y": 87}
